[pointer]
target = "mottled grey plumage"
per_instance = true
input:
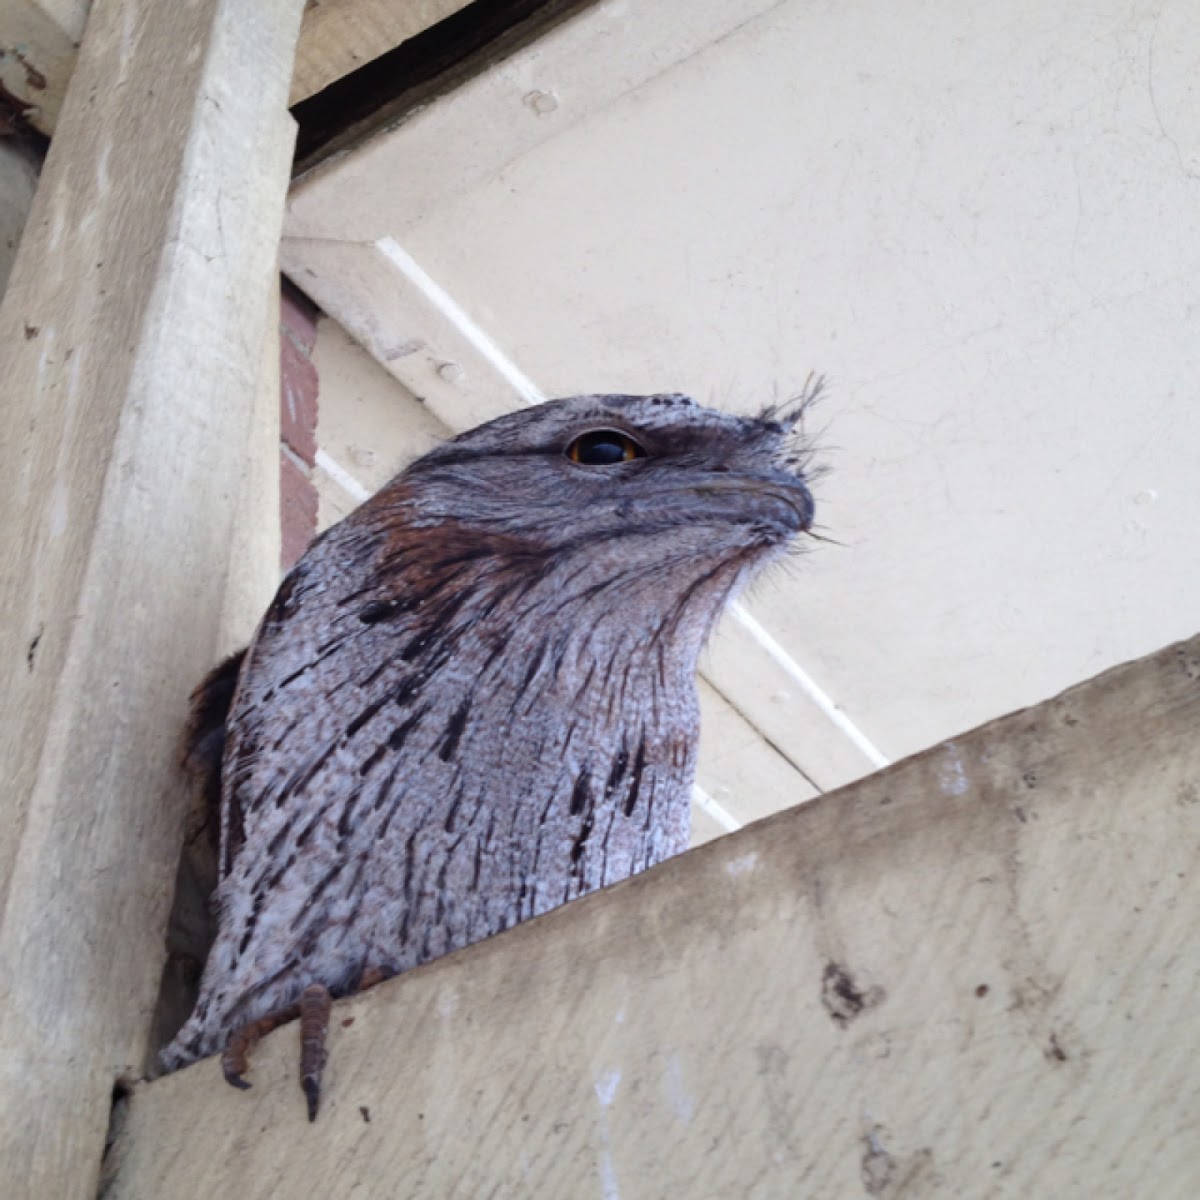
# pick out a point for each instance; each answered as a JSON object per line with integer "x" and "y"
{"x": 474, "y": 699}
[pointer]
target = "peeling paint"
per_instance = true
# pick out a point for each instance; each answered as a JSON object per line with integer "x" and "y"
{"x": 128, "y": 33}
{"x": 608, "y": 1176}
{"x": 606, "y": 1087}
{"x": 952, "y": 776}
{"x": 59, "y": 513}
{"x": 606, "y": 1091}
{"x": 103, "y": 181}
{"x": 740, "y": 866}
{"x": 682, "y": 1104}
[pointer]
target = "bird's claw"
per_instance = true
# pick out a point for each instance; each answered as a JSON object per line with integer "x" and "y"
{"x": 236, "y": 1080}
{"x": 235, "y": 1062}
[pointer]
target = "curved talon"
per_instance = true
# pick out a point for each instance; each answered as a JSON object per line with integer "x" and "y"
{"x": 235, "y": 1062}
{"x": 312, "y": 1095}
{"x": 236, "y": 1059}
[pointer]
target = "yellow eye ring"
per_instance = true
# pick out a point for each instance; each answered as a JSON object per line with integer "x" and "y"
{"x": 604, "y": 448}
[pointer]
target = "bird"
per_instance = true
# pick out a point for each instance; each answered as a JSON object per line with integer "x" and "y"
{"x": 474, "y": 698}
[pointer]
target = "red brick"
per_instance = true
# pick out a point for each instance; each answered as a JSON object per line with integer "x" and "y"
{"x": 298, "y": 411}
{"x": 298, "y": 508}
{"x": 298, "y": 315}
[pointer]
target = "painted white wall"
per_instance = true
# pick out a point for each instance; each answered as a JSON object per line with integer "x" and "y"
{"x": 369, "y": 425}
{"x": 978, "y": 218}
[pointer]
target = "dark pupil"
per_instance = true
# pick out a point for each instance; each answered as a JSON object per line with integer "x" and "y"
{"x": 600, "y": 449}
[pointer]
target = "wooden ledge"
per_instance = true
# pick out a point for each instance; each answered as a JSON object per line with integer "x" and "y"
{"x": 973, "y": 974}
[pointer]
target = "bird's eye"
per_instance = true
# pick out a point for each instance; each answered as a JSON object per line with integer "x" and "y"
{"x": 603, "y": 447}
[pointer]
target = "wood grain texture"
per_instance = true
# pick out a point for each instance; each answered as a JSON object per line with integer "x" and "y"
{"x": 132, "y": 338}
{"x": 970, "y": 975}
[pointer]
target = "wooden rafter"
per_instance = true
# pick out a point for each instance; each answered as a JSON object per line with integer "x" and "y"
{"x": 973, "y": 974}
{"x": 139, "y": 353}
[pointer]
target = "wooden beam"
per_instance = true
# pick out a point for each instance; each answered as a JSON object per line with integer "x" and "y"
{"x": 339, "y": 36}
{"x": 973, "y": 974}
{"x": 132, "y": 338}
{"x": 39, "y": 41}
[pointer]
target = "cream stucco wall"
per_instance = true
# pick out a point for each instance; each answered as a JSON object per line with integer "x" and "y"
{"x": 977, "y": 219}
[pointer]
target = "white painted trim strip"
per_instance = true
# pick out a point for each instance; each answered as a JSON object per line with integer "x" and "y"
{"x": 809, "y": 686}
{"x": 718, "y": 812}
{"x": 342, "y": 477}
{"x": 530, "y": 393}
{"x": 449, "y": 308}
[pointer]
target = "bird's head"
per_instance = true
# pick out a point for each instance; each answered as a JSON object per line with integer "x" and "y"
{"x": 646, "y": 475}
{"x": 638, "y": 511}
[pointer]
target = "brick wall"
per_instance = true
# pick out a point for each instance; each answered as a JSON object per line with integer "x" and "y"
{"x": 298, "y": 420}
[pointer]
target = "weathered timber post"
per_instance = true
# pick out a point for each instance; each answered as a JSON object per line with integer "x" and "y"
{"x": 973, "y": 974}
{"x": 133, "y": 337}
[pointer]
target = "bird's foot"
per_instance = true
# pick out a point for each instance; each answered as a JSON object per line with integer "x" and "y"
{"x": 313, "y": 1011}
{"x": 316, "y": 1003}
{"x": 236, "y": 1059}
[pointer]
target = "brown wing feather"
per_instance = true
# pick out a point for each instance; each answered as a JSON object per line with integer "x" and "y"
{"x": 203, "y": 744}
